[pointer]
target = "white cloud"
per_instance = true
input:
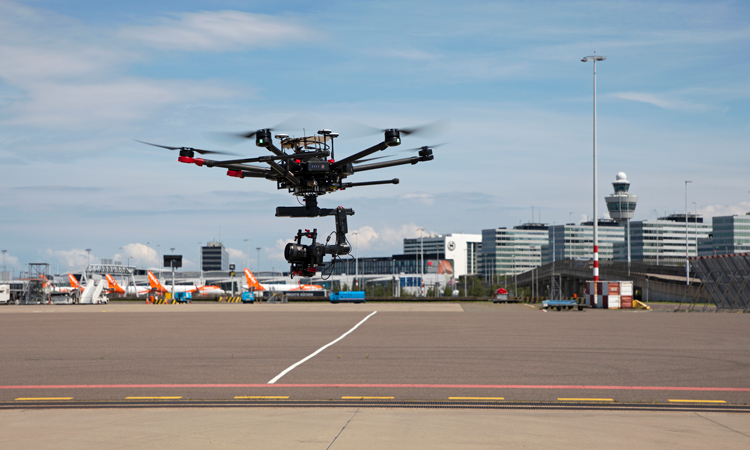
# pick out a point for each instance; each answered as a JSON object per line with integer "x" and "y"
{"x": 661, "y": 101}
{"x": 425, "y": 199}
{"x": 95, "y": 105}
{"x": 73, "y": 259}
{"x": 738, "y": 209}
{"x": 218, "y": 31}
{"x": 10, "y": 261}
{"x": 276, "y": 253}
{"x": 237, "y": 256}
{"x": 364, "y": 238}
{"x": 70, "y": 76}
{"x": 140, "y": 255}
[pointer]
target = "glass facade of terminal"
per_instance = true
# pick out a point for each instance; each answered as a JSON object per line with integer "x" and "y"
{"x": 577, "y": 241}
{"x": 512, "y": 251}
{"x": 214, "y": 257}
{"x": 731, "y": 234}
{"x": 664, "y": 238}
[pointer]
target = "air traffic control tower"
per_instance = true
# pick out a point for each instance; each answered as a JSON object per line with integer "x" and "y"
{"x": 621, "y": 205}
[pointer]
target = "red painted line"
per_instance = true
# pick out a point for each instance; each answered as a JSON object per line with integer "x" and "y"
{"x": 386, "y": 385}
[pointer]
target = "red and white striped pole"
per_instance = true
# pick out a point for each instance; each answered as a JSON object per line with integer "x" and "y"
{"x": 596, "y": 261}
{"x": 595, "y": 58}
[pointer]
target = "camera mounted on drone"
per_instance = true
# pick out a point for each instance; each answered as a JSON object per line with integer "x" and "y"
{"x": 306, "y": 167}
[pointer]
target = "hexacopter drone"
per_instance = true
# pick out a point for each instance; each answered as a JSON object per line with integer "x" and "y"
{"x": 306, "y": 167}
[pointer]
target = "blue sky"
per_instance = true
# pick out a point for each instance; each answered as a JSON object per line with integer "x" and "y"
{"x": 79, "y": 80}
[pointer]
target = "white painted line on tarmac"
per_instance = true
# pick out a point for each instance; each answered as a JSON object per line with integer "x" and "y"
{"x": 290, "y": 368}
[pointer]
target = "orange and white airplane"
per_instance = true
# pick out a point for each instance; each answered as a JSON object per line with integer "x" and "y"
{"x": 195, "y": 289}
{"x": 253, "y": 284}
{"x": 117, "y": 289}
{"x": 73, "y": 284}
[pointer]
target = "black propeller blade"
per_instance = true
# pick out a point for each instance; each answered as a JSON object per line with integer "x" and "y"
{"x": 291, "y": 123}
{"x": 202, "y": 152}
{"x": 424, "y": 147}
{"x": 431, "y": 128}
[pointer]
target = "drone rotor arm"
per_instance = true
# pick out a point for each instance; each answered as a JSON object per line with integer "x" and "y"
{"x": 284, "y": 173}
{"x": 369, "y": 183}
{"x": 275, "y": 150}
{"x": 231, "y": 165}
{"x": 350, "y": 159}
{"x": 396, "y": 162}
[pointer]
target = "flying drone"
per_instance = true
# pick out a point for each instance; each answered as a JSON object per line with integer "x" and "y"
{"x": 306, "y": 167}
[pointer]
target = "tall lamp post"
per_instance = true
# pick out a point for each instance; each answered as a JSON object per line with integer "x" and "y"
{"x": 687, "y": 239}
{"x": 421, "y": 260}
{"x": 258, "y": 249}
{"x": 695, "y": 227}
{"x": 159, "y": 261}
{"x": 595, "y": 58}
{"x": 200, "y": 259}
{"x": 88, "y": 261}
{"x": 356, "y": 259}
{"x": 248, "y": 253}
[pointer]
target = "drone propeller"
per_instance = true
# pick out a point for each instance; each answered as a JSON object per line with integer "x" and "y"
{"x": 293, "y": 122}
{"x": 424, "y": 147}
{"x": 202, "y": 152}
{"x": 431, "y": 128}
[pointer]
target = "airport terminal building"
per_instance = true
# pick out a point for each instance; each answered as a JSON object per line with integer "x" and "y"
{"x": 462, "y": 249}
{"x": 512, "y": 251}
{"x": 572, "y": 241}
{"x": 664, "y": 240}
{"x": 731, "y": 234}
{"x": 214, "y": 257}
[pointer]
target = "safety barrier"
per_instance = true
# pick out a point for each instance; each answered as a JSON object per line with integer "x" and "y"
{"x": 230, "y": 299}
{"x": 161, "y": 301}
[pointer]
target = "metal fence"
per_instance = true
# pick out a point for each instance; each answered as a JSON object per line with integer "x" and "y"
{"x": 725, "y": 281}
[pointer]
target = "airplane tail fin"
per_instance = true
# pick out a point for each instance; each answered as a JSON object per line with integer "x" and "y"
{"x": 112, "y": 284}
{"x": 73, "y": 282}
{"x": 155, "y": 284}
{"x": 252, "y": 282}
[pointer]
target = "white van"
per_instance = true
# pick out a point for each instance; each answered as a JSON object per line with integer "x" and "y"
{"x": 4, "y": 293}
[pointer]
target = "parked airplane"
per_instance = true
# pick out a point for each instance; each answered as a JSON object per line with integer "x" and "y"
{"x": 194, "y": 289}
{"x": 117, "y": 289}
{"x": 74, "y": 282}
{"x": 73, "y": 285}
{"x": 253, "y": 284}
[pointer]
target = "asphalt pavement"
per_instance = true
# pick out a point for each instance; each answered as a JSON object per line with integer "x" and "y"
{"x": 442, "y": 352}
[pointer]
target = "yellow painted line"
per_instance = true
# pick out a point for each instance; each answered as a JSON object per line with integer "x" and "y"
{"x": 696, "y": 401}
{"x": 152, "y": 398}
{"x": 585, "y": 399}
{"x": 367, "y": 398}
{"x": 21, "y": 399}
{"x": 476, "y": 398}
{"x": 261, "y": 396}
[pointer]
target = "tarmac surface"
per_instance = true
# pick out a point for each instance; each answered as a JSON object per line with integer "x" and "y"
{"x": 432, "y": 352}
{"x": 355, "y": 428}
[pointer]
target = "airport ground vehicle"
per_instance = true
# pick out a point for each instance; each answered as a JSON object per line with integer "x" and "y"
{"x": 348, "y": 297}
{"x": 501, "y": 295}
{"x": 248, "y": 297}
{"x": 183, "y": 297}
{"x": 4, "y": 293}
{"x": 562, "y": 304}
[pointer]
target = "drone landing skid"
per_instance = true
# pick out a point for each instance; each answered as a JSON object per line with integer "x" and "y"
{"x": 304, "y": 259}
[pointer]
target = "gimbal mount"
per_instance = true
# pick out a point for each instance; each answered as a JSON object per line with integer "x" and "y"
{"x": 305, "y": 259}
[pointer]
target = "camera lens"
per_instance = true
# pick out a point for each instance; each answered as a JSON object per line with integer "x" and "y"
{"x": 295, "y": 252}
